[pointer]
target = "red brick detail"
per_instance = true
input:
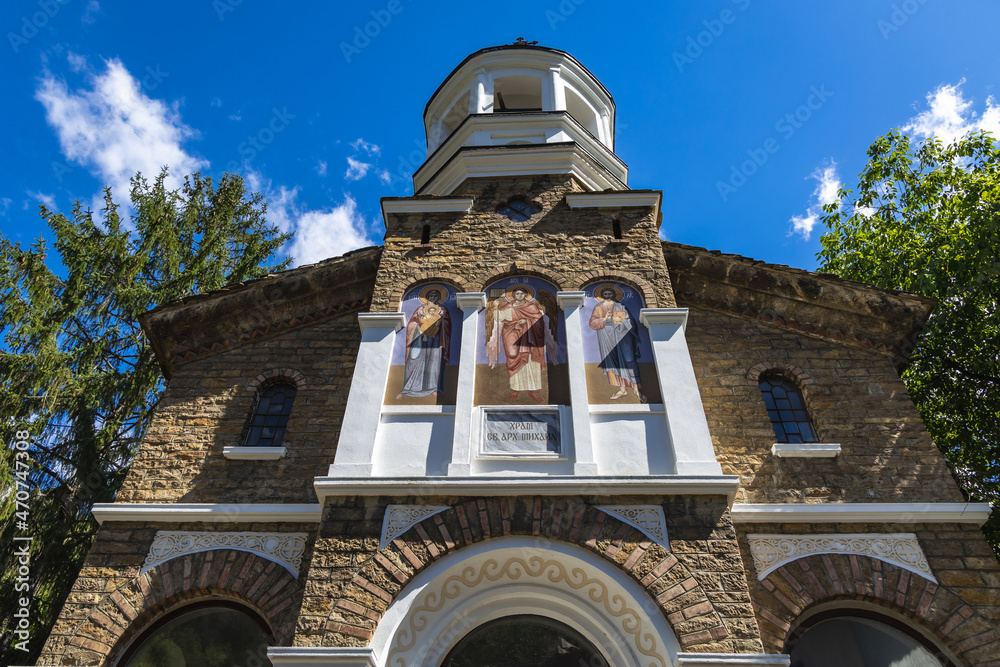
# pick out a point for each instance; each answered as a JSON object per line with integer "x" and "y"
{"x": 180, "y": 581}
{"x": 796, "y": 587}
{"x": 558, "y": 280}
{"x": 695, "y": 619}
{"x": 793, "y": 373}
{"x": 288, "y": 374}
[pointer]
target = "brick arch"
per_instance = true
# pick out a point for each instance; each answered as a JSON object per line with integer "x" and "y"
{"x": 633, "y": 280}
{"x": 782, "y": 597}
{"x": 670, "y": 583}
{"x": 559, "y": 280}
{"x": 262, "y": 585}
{"x": 455, "y": 280}
{"x": 274, "y": 375}
{"x": 793, "y": 373}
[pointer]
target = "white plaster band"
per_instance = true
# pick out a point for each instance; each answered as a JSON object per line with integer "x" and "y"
{"x": 548, "y": 485}
{"x": 974, "y": 513}
{"x": 613, "y": 199}
{"x": 314, "y": 656}
{"x": 732, "y": 660}
{"x": 207, "y": 512}
{"x": 408, "y": 205}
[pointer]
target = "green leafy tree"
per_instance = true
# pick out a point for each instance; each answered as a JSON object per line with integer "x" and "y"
{"x": 926, "y": 219}
{"x": 77, "y": 373}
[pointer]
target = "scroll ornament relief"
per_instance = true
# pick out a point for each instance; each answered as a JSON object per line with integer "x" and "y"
{"x": 647, "y": 518}
{"x": 400, "y": 518}
{"x": 903, "y": 549}
{"x": 551, "y": 571}
{"x": 285, "y": 549}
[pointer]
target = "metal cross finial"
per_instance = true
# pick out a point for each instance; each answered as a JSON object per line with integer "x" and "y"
{"x": 520, "y": 42}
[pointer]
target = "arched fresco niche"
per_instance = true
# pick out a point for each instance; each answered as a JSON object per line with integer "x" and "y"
{"x": 521, "y": 359}
{"x": 424, "y": 366}
{"x": 616, "y": 348}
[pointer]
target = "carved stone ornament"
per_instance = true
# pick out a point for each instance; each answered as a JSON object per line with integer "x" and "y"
{"x": 902, "y": 549}
{"x": 285, "y": 549}
{"x": 647, "y": 518}
{"x": 400, "y": 518}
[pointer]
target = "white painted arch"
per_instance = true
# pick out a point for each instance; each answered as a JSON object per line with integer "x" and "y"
{"x": 520, "y": 575}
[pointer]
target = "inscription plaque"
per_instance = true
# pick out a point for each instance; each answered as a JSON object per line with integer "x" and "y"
{"x": 521, "y": 433}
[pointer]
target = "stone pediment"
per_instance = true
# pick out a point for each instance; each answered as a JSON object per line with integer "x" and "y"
{"x": 814, "y": 304}
{"x": 205, "y": 324}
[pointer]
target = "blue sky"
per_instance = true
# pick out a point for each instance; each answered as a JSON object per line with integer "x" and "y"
{"x": 746, "y": 114}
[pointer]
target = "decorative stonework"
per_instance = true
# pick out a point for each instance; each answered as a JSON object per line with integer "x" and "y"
{"x": 647, "y": 518}
{"x": 552, "y": 571}
{"x": 285, "y": 549}
{"x": 903, "y": 549}
{"x": 400, "y": 518}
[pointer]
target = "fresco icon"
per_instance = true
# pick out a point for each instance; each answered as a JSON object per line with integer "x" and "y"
{"x": 521, "y": 329}
{"x": 422, "y": 357}
{"x": 617, "y": 352}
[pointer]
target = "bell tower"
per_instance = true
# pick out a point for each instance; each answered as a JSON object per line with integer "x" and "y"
{"x": 515, "y": 110}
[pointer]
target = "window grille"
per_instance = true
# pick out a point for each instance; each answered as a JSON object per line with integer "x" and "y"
{"x": 787, "y": 410}
{"x": 266, "y": 426}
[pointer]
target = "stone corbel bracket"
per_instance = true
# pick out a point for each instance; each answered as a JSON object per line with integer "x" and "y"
{"x": 648, "y": 519}
{"x": 285, "y": 549}
{"x": 901, "y": 549}
{"x": 400, "y": 518}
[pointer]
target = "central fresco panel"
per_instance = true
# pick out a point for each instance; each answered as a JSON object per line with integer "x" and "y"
{"x": 521, "y": 358}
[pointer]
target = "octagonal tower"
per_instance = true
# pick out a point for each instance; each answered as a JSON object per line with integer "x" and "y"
{"x": 517, "y": 110}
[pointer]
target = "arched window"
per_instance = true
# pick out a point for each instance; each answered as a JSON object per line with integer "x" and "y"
{"x": 219, "y": 634}
{"x": 616, "y": 229}
{"x": 524, "y": 641}
{"x": 425, "y": 235}
{"x": 787, "y": 410}
{"x": 856, "y": 640}
{"x": 267, "y": 422}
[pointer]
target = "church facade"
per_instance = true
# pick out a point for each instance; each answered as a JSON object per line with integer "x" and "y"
{"x": 527, "y": 431}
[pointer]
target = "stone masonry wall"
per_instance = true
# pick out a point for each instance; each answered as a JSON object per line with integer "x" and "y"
{"x": 855, "y": 398}
{"x": 961, "y": 611}
{"x": 699, "y": 585}
{"x": 570, "y": 247}
{"x": 205, "y": 408}
{"x": 111, "y": 603}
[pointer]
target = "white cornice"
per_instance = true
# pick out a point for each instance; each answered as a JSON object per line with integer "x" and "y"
{"x": 541, "y": 159}
{"x": 395, "y": 321}
{"x": 975, "y": 513}
{"x": 208, "y": 512}
{"x": 254, "y": 453}
{"x": 732, "y": 659}
{"x": 396, "y": 206}
{"x": 812, "y": 450}
{"x": 310, "y": 656}
{"x": 570, "y": 299}
{"x": 613, "y": 199}
{"x": 652, "y": 317}
{"x": 546, "y": 485}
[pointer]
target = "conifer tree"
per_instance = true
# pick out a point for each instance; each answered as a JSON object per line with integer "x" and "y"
{"x": 77, "y": 376}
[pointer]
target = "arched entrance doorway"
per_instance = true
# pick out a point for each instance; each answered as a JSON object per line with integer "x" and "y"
{"x": 589, "y": 604}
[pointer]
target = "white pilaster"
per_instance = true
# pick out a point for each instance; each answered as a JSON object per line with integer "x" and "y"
{"x": 461, "y": 446}
{"x": 583, "y": 448}
{"x": 686, "y": 422}
{"x": 364, "y": 404}
{"x": 481, "y": 100}
{"x": 553, "y": 93}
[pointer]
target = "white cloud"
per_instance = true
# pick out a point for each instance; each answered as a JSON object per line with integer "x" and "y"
{"x": 319, "y": 233}
{"x": 215, "y": 102}
{"x": 115, "y": 130}
{"x": 362, "y": 145}
{"x": 384, "y": 176}
{"x": 90, "y": 12}
{"x": 321, "y": 168}
{"x": 235, "y": 116}
{"x": 828, "y": 182}
{"x": 950, "y": 116}
{"x": 77, "y": 63}
{"x": 5, "y": 203}
{"x": 48, "y": 200}
{"x": 356, "y": 169}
